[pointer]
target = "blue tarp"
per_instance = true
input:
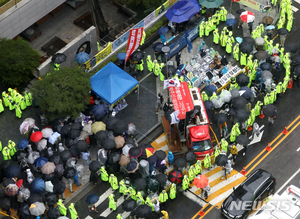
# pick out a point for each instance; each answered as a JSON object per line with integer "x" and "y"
{"x": 111, "y": 83}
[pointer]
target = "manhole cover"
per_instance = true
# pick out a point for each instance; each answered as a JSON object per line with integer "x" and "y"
{"x": 30, "y": 31}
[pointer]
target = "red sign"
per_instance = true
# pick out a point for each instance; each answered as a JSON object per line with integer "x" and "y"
{"x": 181, "y": 98}
{"x": 135, "y": 37}
{"x": 235, "y": 0}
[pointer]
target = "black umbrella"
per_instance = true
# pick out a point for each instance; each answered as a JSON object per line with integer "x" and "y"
{"x": 157, "y": 46}
{"x": 190, "y": 157}
{"x": 297, "y": 70}
{"x": 69, "y": 142}
{"x": 114, "y": 157}
{"x": 101, "y": 136}
{"x": 12, "y": 171}
{"x": 59, "y": 187}
{"x": 53, "y": 213}
{"x": 282, "y": 31}
{"x": 152, "y": 184}
{"x": 92, "y": 199}
{"x": 180, "y": 162}
{"x": 73, "y": 151}
{"x": 59, "y": 58}
{"x": 239, "y": 102}
{"x": 110, "y": 122}
{"x": 137, "y": 56}
{"x": 269, "y": 110}
{"x": 109, "y": 144}
{"x": 160, "y": 154}
{"x": 59, "y": 168}
{"x": 241, "y": 114}
{"x": 296, "y": 59}
{"x": 242, "y": 139}
{"x": 208, "y": 105}
{"x": 64, "y": 130}
{"x": 152, "y": 160}
{"x": 240, "y": 11}
{"x": 221, "y": 160}
{"x": 261, "y": 55}
{"x": 247, "y": 92}
{"x": 140, "y": 184}
{"x": 94, "y": 165}
{"x": 7, "y": 181}
{"x": 51, "y": 198}
{"x": 265, "y": 66}
{"x": 35, "y": 197}
{"x": 120, "y": 127}
{"x": 129, "y": 205}
{"x": 175, "y": 176}
{"x": 220, "y": 118}
{"x": 132, "y": 166}
{"x": 76, "y": 125}
{"x": 5, "y": 204}
{"x": 265, "y": 75}
{"x": 69, "y": 172}
{"x": 81, "y": 146}
{"x": 143, "y": 211}
{"x": 130, "y": 141}
{"x": 291, "y": 47}
{"x": 246, "y": 47}
{"x": 249, "y": 40}
{"x": 161, "y": 178}
{"x": 135, "y": 152}
{"x": 73, "y": 133}
{"x": 242, "y": 80}
{"x": 143, "y": 147}
{"x": 2, "y": 193}
{"x": 54, "y": 159}
{"x": 24, "y": 211}
{"x": 171, "y": 71}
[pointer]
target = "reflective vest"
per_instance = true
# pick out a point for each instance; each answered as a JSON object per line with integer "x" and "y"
{"x": 207, "y": 161}
{"x": 192, "y": 174}
{"x": 122, "y": 188}
{"x": 112, "y": 203}
{"x": 56, "y": 66}
{"x": 149, "y": 63}
{"x": 204, "y": 96}
{"x": 173, "y": 192}
{"x": 216, "y": 36}
{"x": 5, "y": 153}
{"x": 279, "y": 88}
{"x": 62, "y": 208}
{"x": 224, "y": 145}
{"x": 0, "y": 146}
{"x": 132, "y": 193}
{"x": 113, "y": 182}
{"x": 104, "y": 175}
{"x": 73, "y": 212}
{"x": 140, "y": 198}
{"x": 163, "y": 197}
{"x": 198, "y": 167}
{"x": 119, "y": 216}
{"x": 12, "y": 147}
{"x": 185, "y": 183}
{"x": 149, "y": 203}
{"x": 1, "y": 106}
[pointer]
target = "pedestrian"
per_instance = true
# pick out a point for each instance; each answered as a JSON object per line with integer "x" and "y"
{"x": 234, "y": 152}
{"x": 104, "y": 174}
{"x": 158, "y": 103}
{"x": 61, "y": 207}
{"x": 227, "y": 169}
{"x": 113, "y": 181}
{"x": 163, "y": 197}
{"x": 112, "y": 204}
{"x": 173, "y": 191}
{"x": 170, "y": 157}
{"x": 94, "y": 177}
{"x": 76, "y": 180}
{"x": 250, "y": 27}
{"x": 282, "y": 40}
{"x": 207, "y": 162}
{"x": 255, "y": 130}
{"x": 206, "y": 190}
{"x": 245, "y": 147}
{"x": 139, "y": 198}
{"x": 92, "y": 207}
{"x": 85, "y": 157}
{"x": 185, "y": 183}
{"x": 73, "y": 212}
{"x": 165, "y": 215}
{"x": 160, "y": 165}
{"x": 271, "y": 120}
{"x": 156, "y": 208}
{"x": 70, "y": 184}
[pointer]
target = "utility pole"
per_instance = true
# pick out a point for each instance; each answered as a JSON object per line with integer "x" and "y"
{"x": 98, "y": 18}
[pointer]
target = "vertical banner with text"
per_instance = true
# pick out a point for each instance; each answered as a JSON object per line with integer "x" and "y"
{"x": 135, "y": 37}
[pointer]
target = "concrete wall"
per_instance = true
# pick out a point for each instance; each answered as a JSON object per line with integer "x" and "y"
{"x": 17, "y": 19}
{"x": 70, "y": 51}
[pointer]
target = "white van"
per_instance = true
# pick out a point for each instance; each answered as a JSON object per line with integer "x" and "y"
{"x": 284, "y": 206}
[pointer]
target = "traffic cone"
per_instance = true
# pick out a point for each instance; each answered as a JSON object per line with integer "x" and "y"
{"x": 249, "y": 128}
{"x": 290, "y": 84}
{"x": 261, "y": 115}
{"x": 243, "y": 171}
{"x": 285, "y": 131}
{"x": 268, "y": 148}
{"x": 201, "y": 212}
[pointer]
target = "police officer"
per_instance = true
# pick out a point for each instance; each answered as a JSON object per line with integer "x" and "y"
{"x": 236, "y": 51}
{"x": 112, "y": 204}
{"x": 224, "y": 144}
{"x": 149, "y": 203}
{"x": 216, "y": 36}
{"x": 204, "y": 96}
{"x": 104, "y": 174}
{"x": 62, "y": 208}
{"x": 163, "y": 197}
{"x": 149, "y": 63}
{"x": 233, "y": 84}
{"x": 185, "y": 183}
{"x": 207, "y": 162}
{"x": 173, "y": 191}
{"x": 113, "y": 181}
{"x": 140, "y": 198}
{"x": 73, "y": 212}
{"x": 5, "y": 153}
{"x": 56, "y": 66}
{"x": 198, "y": 167}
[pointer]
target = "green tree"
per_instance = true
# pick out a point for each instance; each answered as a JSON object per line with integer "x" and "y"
{"x": 17, "y": 61}
{"x": 62, "y": 93}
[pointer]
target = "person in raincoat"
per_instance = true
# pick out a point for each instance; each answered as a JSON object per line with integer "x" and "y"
{"x": 185, "y": 183}
{"x": 279, "y": 88}
{"x": 156, "y": 68}
{"x": 113, "y": 181}
{"x": 249, "y": 62}
{"x": 214, "y": 96}
{"x": 207, "y": 28}
{"x": 198, "y": 167}
{"x": 119, "y": 216}
{"x": 265, "y": 47}
{"x": 170, "y": 157}
{"x": 11, "y": 103}
{"x": 270, "y": 47}
{"x": 149, "y": 203}
{"x": 267, "y": 99}
{"x": 1, "y": 106}
{"x": 236, "y": 51}
{"x": 73, "y": 211}
{"x": 22, "y": 103}
{"x": 258, "y": 108}
{"x": 201, "y": 29}
{"x": 233, "y": 84}
{"x": 224, "y": 39}
{"x": 192, "y": 173}
{"x": 149, "y": 63}
{"x": 12, "y": 147}
{"x": 228, "y": 47}
{"x": 216, "y": 36}
{"x": 5, "y": 153}
{"x": 139, "y": 198}
{"x": 163, "y": 197}
{"x": 18, "y": 110}
{"x": 234, "y": 152}
{"x": 243, "y": 59}
{"x": 224, "y": 144}
{"x": 235, "y": 131}
{"x": 173, "y": 191}
{"x": 132, "y": 193}
{"x": 122, "y": 188}
{"x": 28, "y": 98}
{"x": 204, "y": 96}
{"x": 5, "y": 98}
{"x": 61, "y": 207}
{"x": 104, "y": 174}
{"x": 207, "y": 162}
{"x": 112, "y": 204}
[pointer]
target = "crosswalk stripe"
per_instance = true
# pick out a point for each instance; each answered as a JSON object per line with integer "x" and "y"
{"x": 104, "y": 196}
{"x": 294, "y": 9}
{"x": 88, "y": 217}
{"x": 194, "y": 198}
{"x": 161, "y": 139}
{"x": 108, "y": 210}
{"x": 298, "y": 1}
{"x": 125, "y": 214}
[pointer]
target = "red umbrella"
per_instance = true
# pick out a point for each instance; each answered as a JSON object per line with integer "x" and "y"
{"x": 175, "y": 176}
{"x": 201, "y": 181}
{"x": 247, "y": 16}
{"x": 36, "y": 136}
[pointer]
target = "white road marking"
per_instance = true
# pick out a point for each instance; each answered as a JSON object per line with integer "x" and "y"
{"x": 108, "y": 210}
{"x": 294, "y": 9}
{"x": 104, "y": 196}
{"x": 221, "y": 197}
{"x": 284, "y": 185}
{"x": 297, "y": 1}
{"x": 257, "y": 139}
{"x": 298, "y": 149}
{"x": 194, "y": 198}
{"x": 161, "y": 139}
{"x": 125, "y": 214}
{"x": 88, "y": 217}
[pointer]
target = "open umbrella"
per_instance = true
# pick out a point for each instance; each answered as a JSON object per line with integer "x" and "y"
{"x": 137, "y": 56}
{"x": 124, "y": 160}
{"x": 120, "y": 127}
{"x": 82, "y": 57}
{"x": 98, "y": 126}
{"x": 35, "y": 197}
{"x": 201, "y": 181}
{"x": 33, "y": 156}
{"x": 246, "y": 47}
{"x": 37, "y": 208}
{"x": 241, "y": 114}
{"x": 291, "y": 47}
{"x": 210, "y": 3}
{"x": 140, "y": 184}
{"x": 51, "y": 198}
{"x": 282, "y": 31}
{"x": 5, "y": 204}
{"x": 94, "y": 165}
{"x": 49, "y": 186}
{"x": 59, "y": 187}
{"x": 132, "y": 166}
{"x": 65, "y": 129}
{"x": 59, "y": 58}
{"x": 24, "y": 193}
{"x": 11, "y": 190}
{"x": 239, "y": 102}
{"x": 265, "y": 66}
{"x": 230, "y": 16}
{"x": 101, "y": 136}
{"x": 182, "y": 11}
{"x": 121, "y": 55}
{"x": 73, "y": 133}
{"x": 247, "y": 16}
{"x": 47, "y": 132}
{"x": 48, "y": 168}
{"x": 240, "y": 11}
{"x": 230, "y": 22}
{"x": 161, "y": 178}
{"x": 76, "y": 125}
{"x": 163, "y": 30}
{"x": 147, "y": 149}
{"x": 99, "y": 110}
{"x": 39, "y": 162}
{"x": 171, "y": 71}
{"x": 175, "y": 176}
{"x": 129, "y": 205}
{"x": 269, "y": 110}
{"x": 126, "y": 148}
{"x": 65, "y": 155}
{"x": 41, "y": 144}
{"x": 36, "y": 136}
{"x": 259, "y": 41}
{"x": 22, "y": 144}
{"x": 190, "y": 157}
{"x": 53, "y": 213}
{"x": 246, "y": 92}
{"x": 81, "y": 146}
{"x": 217, "y": 102}
{"x": 220, "y": 118}
{"x": 297, "y": 70}
{"x": 92, "y": 199}
{"x": 143, "y": 211}
{"x": 114, "y": 157}
{"x": 242, "y": 80}
{"x": 37, "y": 185}
{"x": 225, "y": 96}
{"x": 180, "y": 162}
{"x": 208, "y": 105}
{"x": 69, "y": 172}
{"x": 249, "y": 40}
{"x": 109, "y": 144}
{"x": 157, "y": 46}
{"x": 261, "y": 55}
{"x": 221, "y": 159}
{"x": 160, "y": 154}
{"x": 242, "y": 139}
{"x": 296, "y": 58}
{"x": 210, "y": 89}
{"x": 266, "y": 75}
{"x": 152, "y": 160}
{"x": 234, "y": 93}
{"x": 120, "y": 141}
{"x": 12, "y": 171}
{"x": 135, "y": 152}
{"x": 110, "y": 122}
{"x": 24, "y": 211}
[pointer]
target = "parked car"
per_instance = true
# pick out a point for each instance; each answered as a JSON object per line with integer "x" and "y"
{"x": 256, "y": 187}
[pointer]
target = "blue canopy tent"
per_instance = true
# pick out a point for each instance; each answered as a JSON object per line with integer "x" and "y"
{"x": 183, "y": 10}
{"x": 111, "y": 83}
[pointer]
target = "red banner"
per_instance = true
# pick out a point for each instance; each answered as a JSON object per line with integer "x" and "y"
{"x": 181, "y": 98}
{"x": 235, "y": 0}
{"x": 135, "y": 37}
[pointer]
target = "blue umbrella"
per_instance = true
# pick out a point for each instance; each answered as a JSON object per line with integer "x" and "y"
{"x": 182, "y": 11}
{"x": 210, "y": 89}
{"x": 39, "y": 162}
{"x": 239, "y": 39}
{"x": 157, "y": 46}
{"x": 163, "y": 30}
{"x": 247, "y": 93}
{"x": 208, "y": 105}
{"x": 99, "y": 111}
{"x": 230, "y": 22}
{"x": 266, "y": 66}
{"x": 22, "y": 144}
{"x": 132, "y": 166}
{"x": 270, "y": 27}
{"x": 121, "y": 56}
{"x": 37, "y": 185}
{"x": 12, "y": 171}
{"x": 92, "y": 199}
{"x": 82, "y": 57}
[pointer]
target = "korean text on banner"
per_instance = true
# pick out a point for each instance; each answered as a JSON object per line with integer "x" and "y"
{"x": 181, "y": 98}
{"x": 252, "y": 4}
{"x": 98, "y": 57}
{"x": 135, "y": 37}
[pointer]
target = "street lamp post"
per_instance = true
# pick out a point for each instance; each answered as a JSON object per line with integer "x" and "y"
{"x": 166, "y": 50}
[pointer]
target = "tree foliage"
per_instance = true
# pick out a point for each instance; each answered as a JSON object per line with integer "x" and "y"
{"x": 17, "y": 60}
{"x": 62, "y": 93}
